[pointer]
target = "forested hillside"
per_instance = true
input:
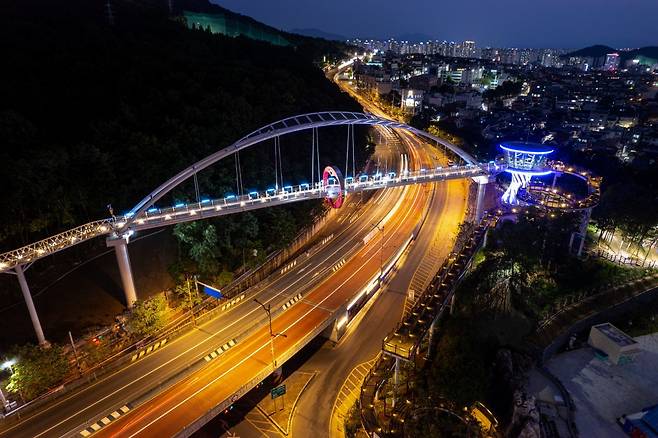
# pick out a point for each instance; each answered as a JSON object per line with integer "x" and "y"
{"x": 99, "y": 108}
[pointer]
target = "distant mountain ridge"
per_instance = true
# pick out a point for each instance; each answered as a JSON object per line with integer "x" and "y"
{"x": 318, "y": 33}
{"x": 600, "y": 50}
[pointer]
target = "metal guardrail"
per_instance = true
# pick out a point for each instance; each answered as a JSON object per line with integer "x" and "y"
{"x": 50, "y": 245}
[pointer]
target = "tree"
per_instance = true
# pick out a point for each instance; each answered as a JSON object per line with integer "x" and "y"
{"x": 37, "y": 370}
{"x": 148, "y": 316}
{"x": 187, "y": 293}
{"x": 199, "y": 240}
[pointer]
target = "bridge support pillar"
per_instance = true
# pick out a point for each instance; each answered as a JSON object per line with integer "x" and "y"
{"x": 337, "y": 328}
{"x": 123, "y": 260}
{"x": 20, "y": 273}
{"x": 583, "y": 230}
{"x": 482, "y": 182}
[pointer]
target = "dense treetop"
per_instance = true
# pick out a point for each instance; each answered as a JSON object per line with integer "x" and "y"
{"x": 93, "y": 112}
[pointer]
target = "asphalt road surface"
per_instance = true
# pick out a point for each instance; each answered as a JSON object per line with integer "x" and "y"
{"x": 183, "y": 356}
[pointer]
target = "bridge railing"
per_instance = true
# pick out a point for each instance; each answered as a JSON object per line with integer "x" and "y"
{"x": 50, "y": 245}
{"x": 204, "y": 208}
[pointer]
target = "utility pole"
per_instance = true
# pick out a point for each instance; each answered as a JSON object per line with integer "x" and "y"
{"x": 75, "y": 353}
{"x": 189, "y": 294}
{"x": 273, "y": 335}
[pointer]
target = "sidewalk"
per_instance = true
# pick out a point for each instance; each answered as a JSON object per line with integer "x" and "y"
{"x": 602, "y": 392}
{"x": 347, "y": 396}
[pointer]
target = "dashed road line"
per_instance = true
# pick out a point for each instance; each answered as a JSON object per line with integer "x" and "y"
{"x": 339, "y": 265}
{"x": 291, "y": 301}
{"x": 150, "y": 349}
{"x": 233, "y": 302}
{"x": 98, "y": 425}
{"x": 327, "y": 239}
{"x": 288, "y": 267}
{"x": 219, "y": 351}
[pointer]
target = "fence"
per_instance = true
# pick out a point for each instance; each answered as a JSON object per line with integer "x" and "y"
{"x": 624, "y": 260}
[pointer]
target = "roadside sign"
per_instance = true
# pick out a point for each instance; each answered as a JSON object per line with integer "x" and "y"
{"x": 278, "y": 391}
{"x": 212, "y": 291}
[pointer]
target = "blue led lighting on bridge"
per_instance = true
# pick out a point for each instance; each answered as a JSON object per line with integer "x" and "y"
{"x": 527, "y": 148}
{"x": 529, "y": 172}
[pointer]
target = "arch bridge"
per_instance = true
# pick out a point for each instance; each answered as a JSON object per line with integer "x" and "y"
{"x": 146, "y": 214}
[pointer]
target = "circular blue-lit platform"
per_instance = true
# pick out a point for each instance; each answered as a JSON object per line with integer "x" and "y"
{"x": 525, "y": 157}
{"x": 523, "y": 160}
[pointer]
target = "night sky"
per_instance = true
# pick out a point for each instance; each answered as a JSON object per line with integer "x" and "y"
{"x": 505, "y": 23}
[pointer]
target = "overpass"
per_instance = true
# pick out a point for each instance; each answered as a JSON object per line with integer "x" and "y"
{"x": 328, "y": 308}
{"x": 119, "y": 229}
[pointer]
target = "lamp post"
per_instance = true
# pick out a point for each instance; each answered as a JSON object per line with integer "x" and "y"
{"x": 273, "y": 335}
{"x": 4, "y": 366}
{"x": 189, "y": 293}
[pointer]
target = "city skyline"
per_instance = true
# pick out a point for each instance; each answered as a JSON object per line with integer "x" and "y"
{"x": 559, "y": 24}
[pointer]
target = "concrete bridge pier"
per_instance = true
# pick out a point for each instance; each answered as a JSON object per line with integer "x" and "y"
{"x": 336, "y": 329}
{"x": 123, "y": 260}
{"x": 20, "y": 273}
{"x": 482, "y": 182}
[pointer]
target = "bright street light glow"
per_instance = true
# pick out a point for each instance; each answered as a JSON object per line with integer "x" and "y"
{"x": 8, "y": 364}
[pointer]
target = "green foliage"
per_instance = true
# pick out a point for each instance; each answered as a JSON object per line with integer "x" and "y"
{"x": 352, "y": 421}
{"x": 199, "y": 241}
{"x": 223, "y": 278}
{"x": 527, "y": 265}
{"x": 97, "y": 351}
{"x": 624, "y": 207}
{"x": 186, "y": 293}
{"x": 148, "y": 316}
{"x": 92, "y": 114}
{"x": 37, "y": 369}
{"x": 460, "y": 369}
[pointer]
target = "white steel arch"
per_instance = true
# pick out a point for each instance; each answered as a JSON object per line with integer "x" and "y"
{"x": 282, "y": 127}
{"x": 122, "y": 225}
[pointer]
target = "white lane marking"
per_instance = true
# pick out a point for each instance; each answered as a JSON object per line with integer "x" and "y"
{"x": 203, "y": 341}
{"x": 191, "y": 348}
{"x": 372, "y": 212}
{"x": 207, "y": 385}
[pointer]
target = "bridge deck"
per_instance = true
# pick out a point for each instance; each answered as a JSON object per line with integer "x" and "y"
{"x": 188, "y": 404}
{"x": 206, "y": 208}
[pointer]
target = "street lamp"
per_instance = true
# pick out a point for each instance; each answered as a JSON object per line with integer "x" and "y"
{"x": 189, "y": 294}
{"x": 8, "y": 364}
{"x": 272, "y": 334}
